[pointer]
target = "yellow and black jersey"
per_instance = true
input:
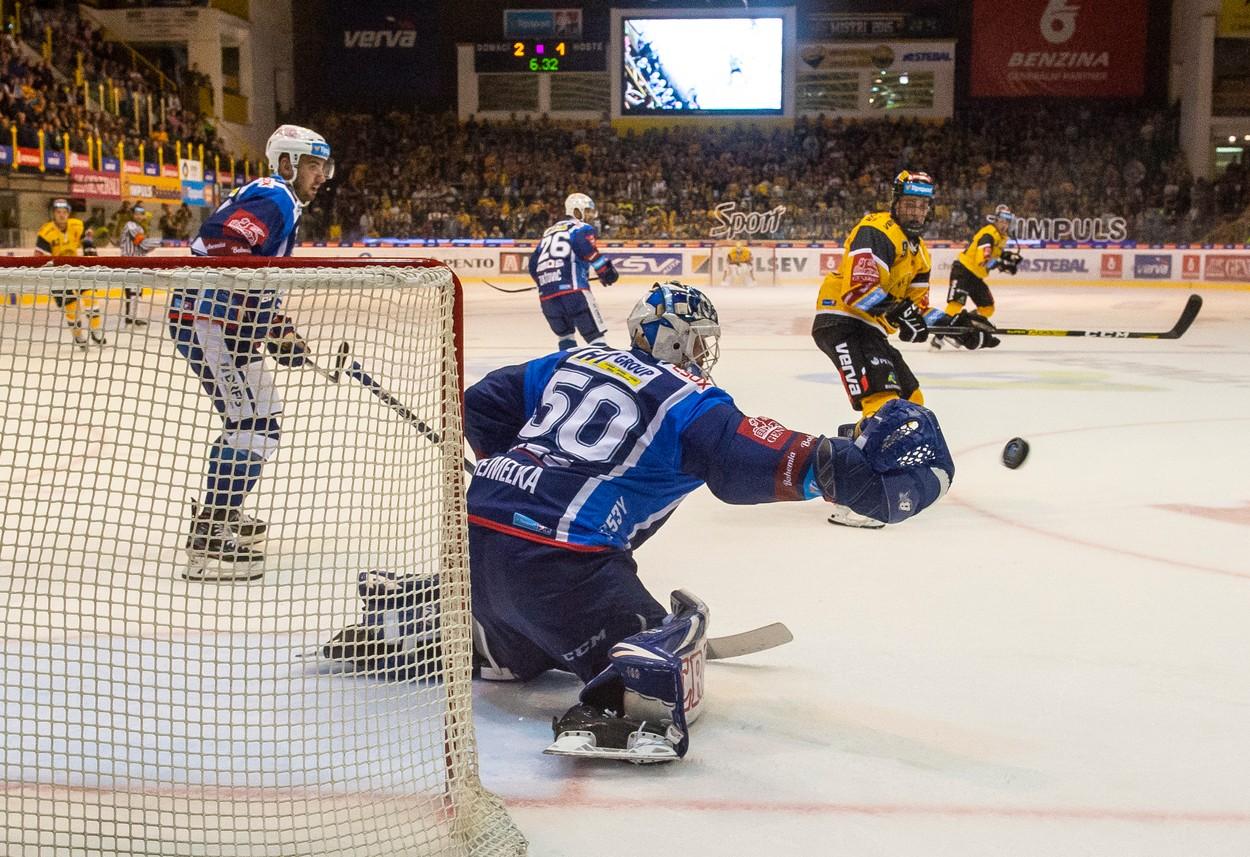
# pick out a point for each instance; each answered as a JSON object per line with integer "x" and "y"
{"x": 877, "y": 255}
{"x": 739, "y": 255}
{"x": 53, "y": 242}
{"x": 983, "y": 251}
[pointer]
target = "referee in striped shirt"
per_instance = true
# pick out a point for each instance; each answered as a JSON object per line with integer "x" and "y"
{"x": 134, "y": 241}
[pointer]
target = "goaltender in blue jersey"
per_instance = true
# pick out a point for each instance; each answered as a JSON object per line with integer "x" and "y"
{"x": 585, "y": 453}
{"x": 560, "y": 266}
{"x": 224, "y": 333}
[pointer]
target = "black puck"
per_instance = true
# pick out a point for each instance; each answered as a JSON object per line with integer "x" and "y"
{"x": 1015, "y": 452}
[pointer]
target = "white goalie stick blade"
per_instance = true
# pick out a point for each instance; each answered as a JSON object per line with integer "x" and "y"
{"x": 748, "y": 642}
{"x": 644, "y": 748}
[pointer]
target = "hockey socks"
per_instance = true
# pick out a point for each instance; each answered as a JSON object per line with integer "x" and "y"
{"x": 232, "y": 474}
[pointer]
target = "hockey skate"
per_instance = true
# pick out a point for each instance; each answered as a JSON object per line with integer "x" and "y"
{"x": 844, "y": 516}
{"x": 214, "y": 551}
{"x": 591, "y": 732}
{"x": 936, "y": 343}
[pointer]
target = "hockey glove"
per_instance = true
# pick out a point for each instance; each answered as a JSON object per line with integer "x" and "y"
{"x": 1010, "y": 261}
{"x": 910, "y": 323}
{"x": 607, "y": 273}
{"x": 287, "y": 347}
{"x": 980, "y": 333}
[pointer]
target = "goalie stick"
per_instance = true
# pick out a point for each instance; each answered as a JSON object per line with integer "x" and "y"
{"x": 759, "y": 639}
{"x": 1188, "y": 314}
{"x": 748, "y": 642}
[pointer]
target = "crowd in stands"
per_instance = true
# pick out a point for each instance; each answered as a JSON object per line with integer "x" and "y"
{"x": 150, "y": 109}
{"x": 415, "y": 175}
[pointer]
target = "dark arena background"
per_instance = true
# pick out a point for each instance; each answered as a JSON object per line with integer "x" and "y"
{"x": 1049, "y": 661}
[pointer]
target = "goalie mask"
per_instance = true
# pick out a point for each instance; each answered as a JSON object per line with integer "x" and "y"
{"x": 580, "y": 206}
{"x": 912, "y": 202}
{"x": 677, "y": 323}
{"x": 295, "y": 141}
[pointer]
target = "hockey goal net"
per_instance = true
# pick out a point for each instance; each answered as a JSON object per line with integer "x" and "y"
{"x": 148, "y": 713}
{"x": 760, "y": 269}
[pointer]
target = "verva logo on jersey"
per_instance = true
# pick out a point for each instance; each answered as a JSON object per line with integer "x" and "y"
{"x": 247, "y": 225}
{"x": 1191, "y": 266}
{"x": 767, "y": 431}
{"x": 1112, "y": 265}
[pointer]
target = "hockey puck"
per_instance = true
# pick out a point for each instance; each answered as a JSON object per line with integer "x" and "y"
{"x": 1015, "y": 452}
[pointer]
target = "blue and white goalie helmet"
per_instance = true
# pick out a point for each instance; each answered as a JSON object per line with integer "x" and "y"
{"x": 677, "y": 323}
{"x": 296, "y": 141}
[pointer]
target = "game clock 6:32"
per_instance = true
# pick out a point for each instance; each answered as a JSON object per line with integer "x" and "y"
{"x": 539, "y": 55}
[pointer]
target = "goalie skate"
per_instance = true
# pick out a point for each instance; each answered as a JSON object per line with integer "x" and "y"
{"x": 844, "y": 516}
{"x": 588, "y": 733}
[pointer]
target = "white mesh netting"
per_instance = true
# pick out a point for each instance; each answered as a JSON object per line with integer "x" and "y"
{"x": 148, "y": 714}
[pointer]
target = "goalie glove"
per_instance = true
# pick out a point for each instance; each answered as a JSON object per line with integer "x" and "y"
{"x": 287, "y": 347}
{"x": 898, "y": 465}
{"x": 1010, "y": 261}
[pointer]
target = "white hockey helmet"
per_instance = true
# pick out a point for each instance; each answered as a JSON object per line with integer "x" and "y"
{"x": 296, "y": 141}
{"x": 678, "y": 324}
{"x": 580, "y": 206}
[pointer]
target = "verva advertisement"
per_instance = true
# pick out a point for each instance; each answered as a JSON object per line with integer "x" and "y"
{"x": 1058, "y": 47}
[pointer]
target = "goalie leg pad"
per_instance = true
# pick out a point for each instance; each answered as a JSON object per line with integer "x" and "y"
{"x": 655, "y": 677}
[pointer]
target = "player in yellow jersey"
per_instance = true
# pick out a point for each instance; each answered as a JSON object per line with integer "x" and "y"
{"x": 739, "y": 270}
{"x": 66, "y": 236}
{"x": 881, "y": 287}
{"x": 985, "y": 252}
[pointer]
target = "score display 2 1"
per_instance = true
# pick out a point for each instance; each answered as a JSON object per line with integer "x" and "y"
{"x": 539, "y": 55}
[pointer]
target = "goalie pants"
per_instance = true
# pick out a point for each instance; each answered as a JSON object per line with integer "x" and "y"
{"x": 544, "y": 607}
{"x": 964, "y": 285}
{"x": 574, "y": 310}
{"x": 866, "y": 362}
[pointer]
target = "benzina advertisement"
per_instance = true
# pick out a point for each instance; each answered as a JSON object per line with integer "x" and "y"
{"x": 1058, "y": 47}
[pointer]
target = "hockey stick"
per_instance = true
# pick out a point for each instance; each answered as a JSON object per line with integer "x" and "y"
{"x": 529, "y": 288}
{"x": 1192, "y": 306}
{"x": 510, "y": 291}
{"x": 357, "y": 373}
{"x": 748, "y": 642}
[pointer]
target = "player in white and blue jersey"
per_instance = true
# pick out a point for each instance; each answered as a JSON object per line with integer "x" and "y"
{"x": 561, "y": 266}
{"x": 224, "y": 334}
{"x": 584, "y": 453}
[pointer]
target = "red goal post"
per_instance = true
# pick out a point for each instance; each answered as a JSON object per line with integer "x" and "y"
{"x": 149, "y": 713}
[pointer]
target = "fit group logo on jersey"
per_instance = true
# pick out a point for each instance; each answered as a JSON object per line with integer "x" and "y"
{"x": 647, "y": 264}
{"x": 1152, "y": 266}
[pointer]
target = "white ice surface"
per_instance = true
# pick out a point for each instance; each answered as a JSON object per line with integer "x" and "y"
{"x": 1053, "y": 661}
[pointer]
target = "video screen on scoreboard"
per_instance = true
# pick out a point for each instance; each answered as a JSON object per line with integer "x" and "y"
{"x": 673, "y": 66}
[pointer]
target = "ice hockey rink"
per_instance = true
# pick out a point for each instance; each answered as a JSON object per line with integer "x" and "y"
{"x": 1050, "y": 661}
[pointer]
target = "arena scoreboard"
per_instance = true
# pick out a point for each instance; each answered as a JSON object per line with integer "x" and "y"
{"x": 539, "y": 55}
